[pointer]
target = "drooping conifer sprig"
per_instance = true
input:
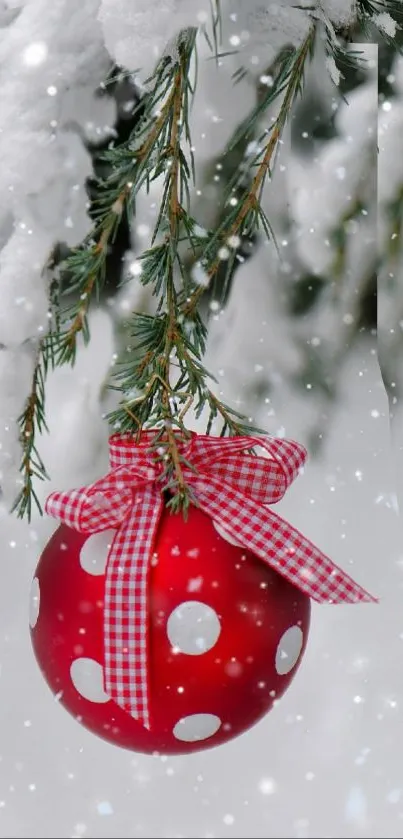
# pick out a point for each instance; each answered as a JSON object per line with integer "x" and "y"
{"x": 163, "y": 374}
{"x": 166, "y": 362}
{"x": 132, "y": 166}
{"x": 32, "y": 422}
{"x": 85, "y": 266}
{"x": 244, "y": 214}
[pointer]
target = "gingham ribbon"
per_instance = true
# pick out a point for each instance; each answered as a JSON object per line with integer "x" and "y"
{"x": 232, "y": 486}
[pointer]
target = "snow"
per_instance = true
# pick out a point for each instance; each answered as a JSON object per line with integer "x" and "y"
{"x": 60, "y": 46}
{"x": 44, "y": 55}
{"x": 336, "y": 170}
{"x": 386, "y": 23}
{"x": 340, "y": 12}
{"x": 24, "y": 310}
{"x": 262, "y": 29}
{"x": 75, "y": 446}
{"x": 258, "y": 30}
{"x": 137, "y": 34}
{"x": 390, "y": 170}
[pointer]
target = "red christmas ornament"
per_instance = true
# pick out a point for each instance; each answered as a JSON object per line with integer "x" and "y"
{"x": 157, "y": 633}
{"x": 226, "y": 634}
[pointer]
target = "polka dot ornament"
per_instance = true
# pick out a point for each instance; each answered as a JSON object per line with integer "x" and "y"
{"x": 226, "y": 635}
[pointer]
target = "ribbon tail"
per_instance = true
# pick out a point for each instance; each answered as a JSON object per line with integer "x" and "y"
{"x": 126, "y": 611}
{"x": 279, "y": 544}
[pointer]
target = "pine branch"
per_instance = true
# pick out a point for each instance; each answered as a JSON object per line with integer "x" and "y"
{"x": 31, "y": 422}
{"x": 174, "y": 471}
{"x": 244, "y": 218}
{"x": 131, "y": 165}
{"x": 162, "y": 374}
{"x": 171, "y": 342}
{"x": 214, "y": 40}
{"x": 157, "y": 406}
{"x": 165, "y": 368}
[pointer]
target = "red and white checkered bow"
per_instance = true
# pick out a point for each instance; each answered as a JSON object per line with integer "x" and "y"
{"x": 232, "y": 486}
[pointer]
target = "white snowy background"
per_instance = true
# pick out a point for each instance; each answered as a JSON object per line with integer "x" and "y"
{"x": 327, "y": 761}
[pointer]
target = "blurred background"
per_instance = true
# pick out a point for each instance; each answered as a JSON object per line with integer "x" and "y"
{"x": 306, "y": 338}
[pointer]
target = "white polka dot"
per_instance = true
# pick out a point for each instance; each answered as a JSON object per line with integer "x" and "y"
{"x": 94, "y": 552}
{"x": 193, "y": 627}
{"x": 34, "y": 602}
{"x": 288, "y": 650}
{"x": 87, "y": 677}
{"x": 196, "y": 727}
{"x": 221, "y": 532}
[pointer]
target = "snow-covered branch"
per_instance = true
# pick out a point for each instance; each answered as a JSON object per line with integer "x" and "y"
{"x": 54, "y": 56}
{"x": 47, "y": 52}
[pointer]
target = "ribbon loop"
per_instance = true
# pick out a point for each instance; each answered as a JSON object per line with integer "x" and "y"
{"x": 266, "y": 485}
{"x": 231, "y": 485}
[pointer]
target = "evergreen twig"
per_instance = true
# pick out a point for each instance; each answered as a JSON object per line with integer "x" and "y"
{"x": 162, "y": 373}
{"x": 245, "y": 217}
{"x": 31, "y": 422}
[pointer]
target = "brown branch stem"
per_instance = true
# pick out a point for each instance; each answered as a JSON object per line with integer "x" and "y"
{"x": 174, "y": 220}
